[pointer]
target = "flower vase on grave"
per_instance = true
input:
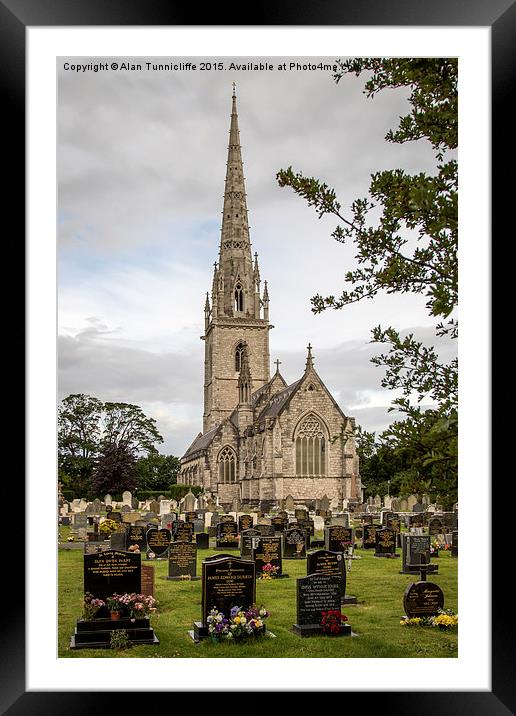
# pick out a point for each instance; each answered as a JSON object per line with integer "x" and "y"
{"x": 115, "y": 616}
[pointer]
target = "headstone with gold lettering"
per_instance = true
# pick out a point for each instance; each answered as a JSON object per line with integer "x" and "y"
{"x": 226, "y": 582}
{"x": 105, "y": 574}
{"x": 182, "y": 561}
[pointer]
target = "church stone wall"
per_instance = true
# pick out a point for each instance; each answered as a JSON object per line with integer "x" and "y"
{"x": 222, "y": 395}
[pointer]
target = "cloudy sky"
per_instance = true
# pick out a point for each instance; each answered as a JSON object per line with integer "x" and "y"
{"x": 141, "y": 167}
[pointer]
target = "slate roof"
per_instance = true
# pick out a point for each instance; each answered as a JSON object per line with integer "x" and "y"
{"x": 278, "y": 401}
{"x": 201, "y": 442}
{"x": 271, "y": 409}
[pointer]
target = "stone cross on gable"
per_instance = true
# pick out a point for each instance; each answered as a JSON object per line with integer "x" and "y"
{"x": 277, "y": 363}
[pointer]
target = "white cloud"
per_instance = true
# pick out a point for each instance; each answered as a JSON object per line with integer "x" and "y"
{"x": 141, "y": 165}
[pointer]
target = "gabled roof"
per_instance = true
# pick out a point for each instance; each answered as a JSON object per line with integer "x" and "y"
{"x": 201, "y": 442}
{"x": 278, "y": 401}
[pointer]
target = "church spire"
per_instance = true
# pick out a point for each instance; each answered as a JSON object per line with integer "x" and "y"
{"x": 235, "y": 227}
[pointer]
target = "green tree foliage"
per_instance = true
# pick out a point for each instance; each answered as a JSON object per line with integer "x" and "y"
{"x": 406, "y": 233}
{"x": 157, "y": 472}
{"x": 106, "y": 437}
{"x": 78, "y": 440}
{"x": 115, "y": 469}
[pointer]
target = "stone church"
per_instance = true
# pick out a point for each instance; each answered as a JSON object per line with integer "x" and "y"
{"x": 262, "y": 439}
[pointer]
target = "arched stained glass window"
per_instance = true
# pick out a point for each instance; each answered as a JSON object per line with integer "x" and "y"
{"x": 310, "y": 448}
{"x": 227, "y": 465}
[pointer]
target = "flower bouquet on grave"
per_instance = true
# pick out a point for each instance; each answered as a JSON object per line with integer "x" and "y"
{"x": 332, "y": 621}
{"x": 115, "y": 606}
{"x": 445, "y": 620}
{"x": 138, "y": 606}
{"x": 241, "y": 625}
{"x": 91, "y": 606}
{"x": 107, "y": 527}
{"x": 269, "y": 571}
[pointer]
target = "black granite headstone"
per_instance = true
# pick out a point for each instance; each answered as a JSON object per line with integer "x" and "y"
{"x": 316, "y": 594}
{"x": 182, "y": 560}
{"x": 110, "y": 572}
{"x": 226, "y": 583}
{"x": 246, "y": 542}
{"x": 202, "y": 539}
{"x": 227, "y": 536}
{"x": 245, "y": 522}
{"x": 136, "y": 535}
{"x": 423, "y": 599}
{"x": 183, "y": 532}
{"x": 278, "y": 523}
{"x": 267, "y": 550}
{"x": 295, "y": 543}
{"x": 158, "y": 541}
{"x": 369, "y": 536}
{"x": 338, "y": 539}
{"x": 414, "y": 549}
{"x": 324, "y": 561}
{"x": 385, "y": 543}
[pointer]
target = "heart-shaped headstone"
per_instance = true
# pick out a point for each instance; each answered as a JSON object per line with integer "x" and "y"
{"x": 158, "y": 540}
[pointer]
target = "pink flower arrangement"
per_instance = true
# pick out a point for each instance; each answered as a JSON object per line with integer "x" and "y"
{"x": 136, "y": 605}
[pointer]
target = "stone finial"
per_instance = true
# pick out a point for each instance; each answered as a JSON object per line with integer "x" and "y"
{"x": 309, "y": 357}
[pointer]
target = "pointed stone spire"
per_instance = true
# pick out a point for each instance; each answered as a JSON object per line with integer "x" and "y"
{"x": 207, "y": 312}
{"x": 309, "y": 358}
{"x": 235, "y": 227}
{"x": 265, "y": 302}
{"x": 235, "y": 260}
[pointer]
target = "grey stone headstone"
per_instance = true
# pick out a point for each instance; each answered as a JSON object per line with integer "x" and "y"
{"x": 189, "y": 502}
{"x": 126, "y": 498}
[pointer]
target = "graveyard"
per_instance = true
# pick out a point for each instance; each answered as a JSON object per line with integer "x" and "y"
{"x": 186, "y": 565}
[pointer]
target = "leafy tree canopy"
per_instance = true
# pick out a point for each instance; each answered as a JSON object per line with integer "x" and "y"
{"x": 405, "y": 233}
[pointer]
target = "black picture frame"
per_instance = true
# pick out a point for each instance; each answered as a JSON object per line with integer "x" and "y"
{"x": 500, "y": 16}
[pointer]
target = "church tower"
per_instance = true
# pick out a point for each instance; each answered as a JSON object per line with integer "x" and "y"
{"x": 237, "y": 318}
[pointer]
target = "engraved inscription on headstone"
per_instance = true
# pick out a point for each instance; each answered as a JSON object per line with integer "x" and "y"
{"x": 338, "y": 539}
{"x": 227, "y": 583}
{"x": 324, "y": 561}
{"x": 182, "y": 560}
{"x": 136, "y": 535}
{"x": 385, "y": 542}
{"x": 423, "y": 599}
{"x": 369, "y": 536}
{"x": 158, "y": 541}
{"x": 267, "y": 550}
{"x": 245, "y": 522}
{"x": 294, "y": 543}
{"x": 108, "y": 572}
{"x": 315, "y": 593}
{"x": 246, "y": 542}
{"x": 227, "y": 536}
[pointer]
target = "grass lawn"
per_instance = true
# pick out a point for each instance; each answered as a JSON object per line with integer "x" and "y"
{"x": 376, "y": 583}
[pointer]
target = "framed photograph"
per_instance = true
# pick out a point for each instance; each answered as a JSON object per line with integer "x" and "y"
{"x": 143, "y": 220}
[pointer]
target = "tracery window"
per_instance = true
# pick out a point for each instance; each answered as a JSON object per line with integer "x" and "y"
{"x": 239, "y": 352}
{"x": 227, "y": 465}
{"x": 239, "y": 297}
{"x": 310, "y": 445}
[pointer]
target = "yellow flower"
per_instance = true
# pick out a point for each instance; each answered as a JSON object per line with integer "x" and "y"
{"x": 237, "y": 620}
